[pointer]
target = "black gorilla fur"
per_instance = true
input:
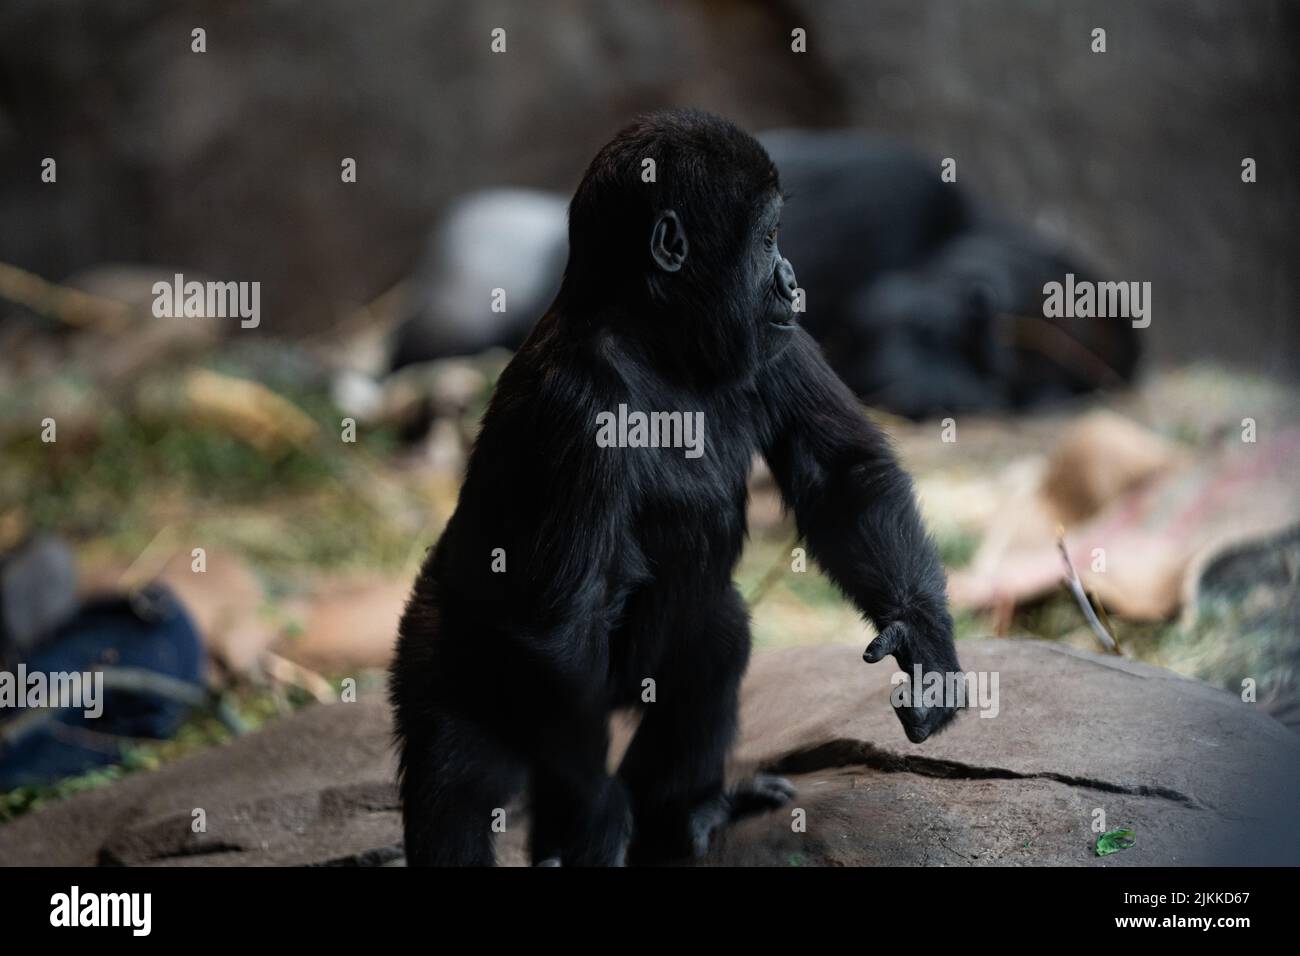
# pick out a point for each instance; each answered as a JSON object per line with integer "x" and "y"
{"x": 619, "y": 560}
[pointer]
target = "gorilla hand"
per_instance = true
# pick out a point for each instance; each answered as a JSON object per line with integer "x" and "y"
{"x": 912, "y": 646}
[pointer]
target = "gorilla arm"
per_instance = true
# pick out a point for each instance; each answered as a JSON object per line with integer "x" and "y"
{"x": 854, "y": 506}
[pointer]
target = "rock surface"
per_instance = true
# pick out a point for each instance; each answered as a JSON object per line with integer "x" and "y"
{"x": 1191, "y": 769}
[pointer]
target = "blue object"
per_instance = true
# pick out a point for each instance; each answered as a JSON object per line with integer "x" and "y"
{"x": 148, "y": 630}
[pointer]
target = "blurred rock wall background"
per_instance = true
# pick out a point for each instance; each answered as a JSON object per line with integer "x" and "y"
{"x": 228, "y": 161}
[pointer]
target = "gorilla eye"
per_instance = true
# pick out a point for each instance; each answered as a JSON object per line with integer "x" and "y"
{"x": 771, "y": 236}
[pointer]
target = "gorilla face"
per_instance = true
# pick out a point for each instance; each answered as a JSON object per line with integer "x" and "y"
{"x": 773, "y": 274}
{"x": 751, "y": 321}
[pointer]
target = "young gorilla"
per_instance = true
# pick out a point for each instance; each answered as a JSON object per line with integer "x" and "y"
{"x": 615, "y": 564}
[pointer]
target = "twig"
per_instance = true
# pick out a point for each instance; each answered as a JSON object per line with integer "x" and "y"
{"x": 69, "y": 306}
{"x": 285, "y": 671}
{"x": 1076, "y": 587}
{"x": 149, "y": 564}
{"x": 1052, "y": 341}
{"x": 771, "y": 576}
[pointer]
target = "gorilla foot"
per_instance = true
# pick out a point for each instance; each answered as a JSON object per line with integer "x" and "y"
{"x": 759, "y": 794}
{"x": 762, "y": 792}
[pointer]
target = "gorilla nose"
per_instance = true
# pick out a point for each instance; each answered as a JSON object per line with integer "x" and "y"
{"x": 785, "y": 280}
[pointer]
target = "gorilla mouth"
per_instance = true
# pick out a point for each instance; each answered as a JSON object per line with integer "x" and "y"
{"x": 780, "y": 312}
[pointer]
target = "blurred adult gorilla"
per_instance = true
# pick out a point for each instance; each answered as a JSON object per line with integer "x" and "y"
{"x": 925, "y": 302}
{"x": 570, "y": 573}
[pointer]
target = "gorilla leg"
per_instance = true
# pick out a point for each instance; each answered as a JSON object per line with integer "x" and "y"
{"x": 579, "y": 822}
{"x": 580, "y": 814}
{"x": 675, "y": 764}
{"x": 453, "y": 777}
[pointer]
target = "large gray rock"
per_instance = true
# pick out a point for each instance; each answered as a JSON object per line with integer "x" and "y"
{"x": 307, "y": 789}
{"x": 1200, "y": 776}
{"x": 1191, "y": 769}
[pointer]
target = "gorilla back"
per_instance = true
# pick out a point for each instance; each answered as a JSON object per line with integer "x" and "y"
{"x": 588, "y": 567}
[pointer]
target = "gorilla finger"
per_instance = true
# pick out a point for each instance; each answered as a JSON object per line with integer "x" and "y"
{"x": 915, "y": 723}
{"x": 764, "y": 792}
{"x": 921, "y": 723}
{"x": 707, "y": 819}
{"x": 890, "y": 640}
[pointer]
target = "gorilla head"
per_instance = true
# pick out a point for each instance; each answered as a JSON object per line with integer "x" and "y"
{"x": 673, "y": 233}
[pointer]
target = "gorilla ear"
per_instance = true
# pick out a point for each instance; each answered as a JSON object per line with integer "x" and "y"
{"x": 668, "y": 242}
